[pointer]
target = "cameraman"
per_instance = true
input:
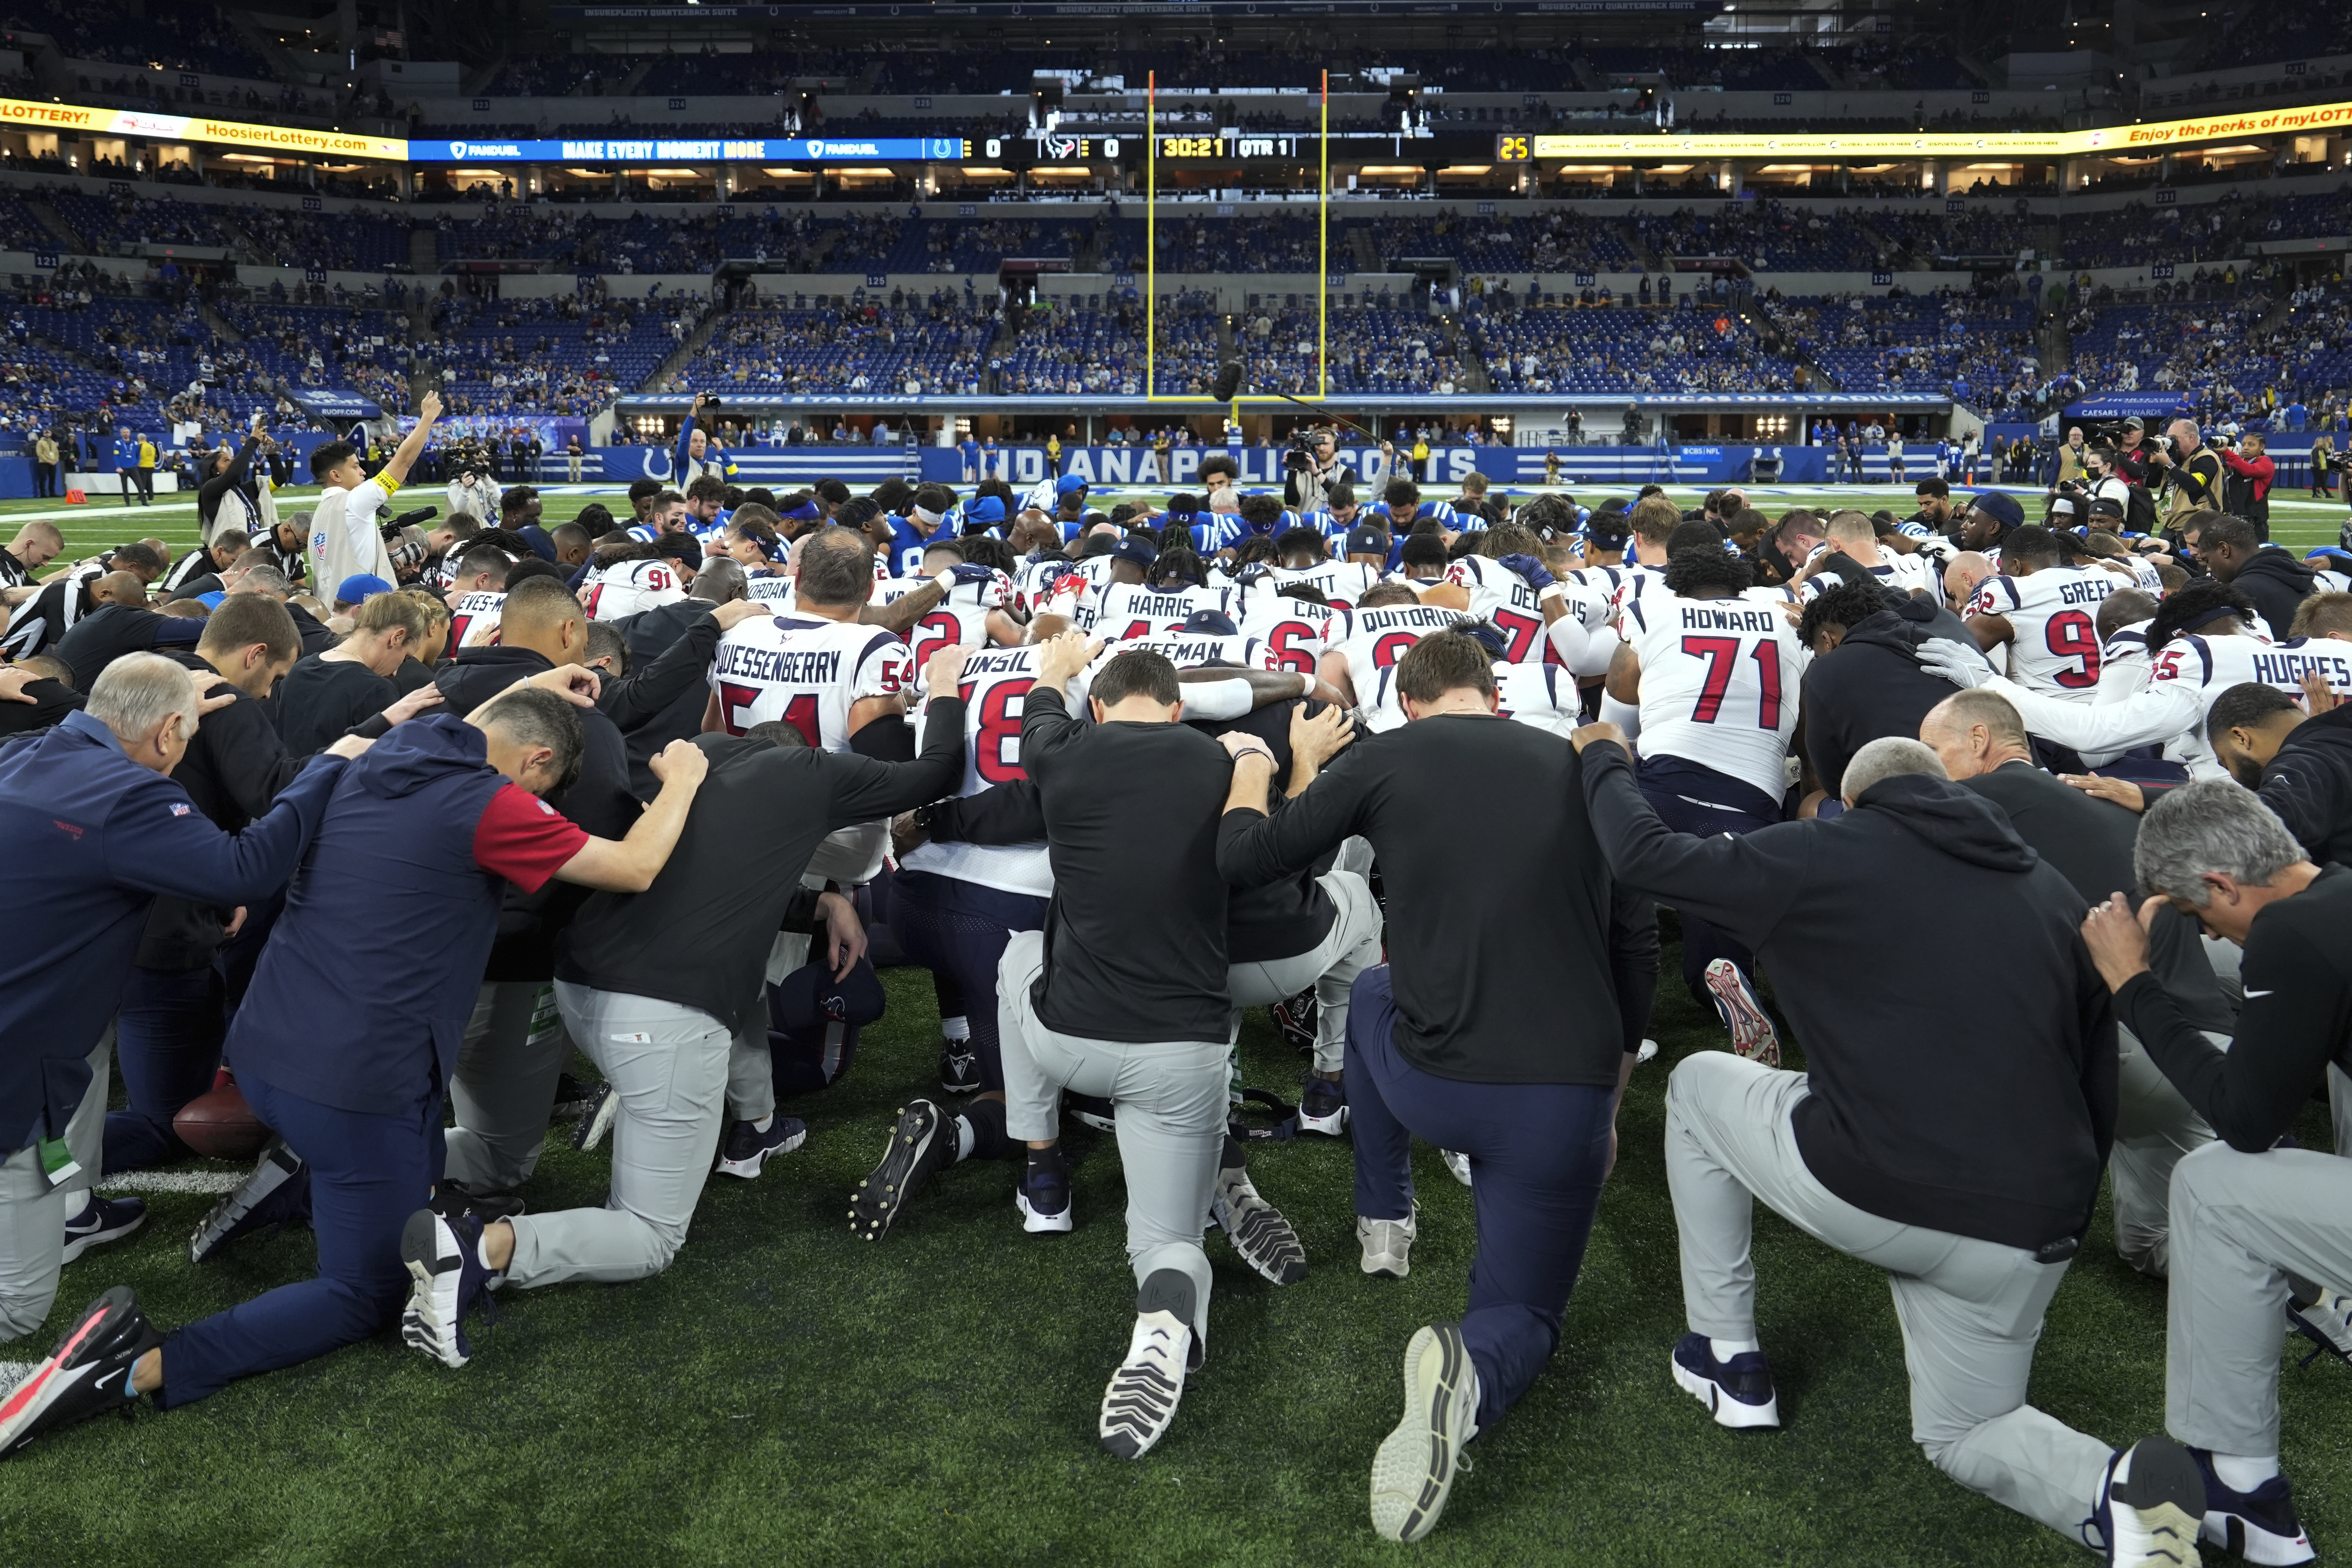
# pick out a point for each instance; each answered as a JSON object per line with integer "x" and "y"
{"x": 2071, "y": 455}
{"x": 2193, "y": 468}
{"x": 2132, "y": 455}
{"x": 2247, "y": 491}
{"x": 1315, "y": 467}
{"x": 473, "y": 491}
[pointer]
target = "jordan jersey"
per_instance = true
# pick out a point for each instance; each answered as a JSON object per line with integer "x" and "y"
{"x": 1718, "y": 684}
{"x": 474, "y": 621}
{"x": 2053, "y": 614}
{"x": 631, "y": 587}
{"x": 808, "y": 673}
{"x": 776, "y": 593}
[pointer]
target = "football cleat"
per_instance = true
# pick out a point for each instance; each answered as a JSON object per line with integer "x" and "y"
{"x": 748, "y": 1149}
{"x": 1140, "y": 1403}
{"x": 1256, "y": 1228}
{"x": 959, "y": 1067}
{"x": 1737, "y": 1393}
{"x": 923, "y": 1142}
{"x": 1413, "y": 1470}
{"x": 573, "y": 1099}
{"x": 1090, "y": 1111}
{"x": 104, "y": 1220}
{"x": 1044, "y": 1200}
{"x": 2326, "y": 1320}
{"x": 278, "y": 1192}
{"x": 1457, "y": 1164}
{"x": 596, "y": 1117}
{"x": 1752, "y": 1035}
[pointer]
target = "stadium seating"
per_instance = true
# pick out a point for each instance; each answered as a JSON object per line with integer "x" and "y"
{"x": 550, "y": 355}
{"x": 113, "y": 223}
{"x": 1963, "y": 347}
{"x": 351, "y": 242}
{"x": 1683, "y": 348}
{"x": 847, "y": 346}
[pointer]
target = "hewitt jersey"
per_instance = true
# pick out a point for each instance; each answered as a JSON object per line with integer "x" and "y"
{"x": 1127, "y": 610}
{"x": 1340, "y": 582}
{"x": 808, "y": 673}
{"x": 1718, "y": 684}
{"x": 633, "y": 587}
{"x": 1382, "y": 637}
{"x": 995, "y": 688}
{"x": 2052, "y": 616}
{"x": 474, "y": 621}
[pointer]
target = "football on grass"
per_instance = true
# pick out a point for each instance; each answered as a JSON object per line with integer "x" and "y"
{"x": 221, "y": 1125}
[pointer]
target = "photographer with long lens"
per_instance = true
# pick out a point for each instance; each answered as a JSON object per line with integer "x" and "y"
{"x": 2191, "y": 470}
{"x": 1315, "y": 468}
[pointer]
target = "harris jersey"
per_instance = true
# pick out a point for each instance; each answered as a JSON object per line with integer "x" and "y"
{"x": 2052, "y": 615}
{"x": 1382, "y": 637}
{"x": 995, "y": 689}
{"x": 633, "y": 587}
{"x": 807, "y": 671}
{"x": 474, "y": 621}
{"x": 1127, "y": 610}
{"x": 1719, "y": 682}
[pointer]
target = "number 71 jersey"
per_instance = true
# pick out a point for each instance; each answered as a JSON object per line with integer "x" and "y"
{"x": 1718, "y": 684}
{"x": 807, "y": 671}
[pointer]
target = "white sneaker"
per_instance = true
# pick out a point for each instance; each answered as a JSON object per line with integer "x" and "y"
{"x": 2151, "y": 1506}
{"x": 1413, "y": 1470}
{"x": 1457, "y": 1163}
{"x": 1139, "y": 1405}
{"x": 1388, "y": 1245}
{"x": 1256, "y": 1228}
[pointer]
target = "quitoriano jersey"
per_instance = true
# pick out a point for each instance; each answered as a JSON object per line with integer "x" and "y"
{"x": 474, "y": 621}
{"x": 807, "y": 671}
{"x": 2052, "y": 616}
{"x": 1718, "y": 684}
{"x": 631, "y": 587}
{"x": 1384, "y": 635}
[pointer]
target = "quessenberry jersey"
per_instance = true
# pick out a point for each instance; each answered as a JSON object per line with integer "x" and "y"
{"x": 995, "y": 689}
{"x": 807, "y": 671}
{"x": 2052, "y": 616}
{"x": 1295, "y": 632}
{"x": 1340, "y": 582}
{"x": 1127, "y": 610}
{"x": 474, "y": 621}
{"x": 631, "y": 587}
{"x": 960, "y": 618}
{"x": 1718, "y": 684}
{"x": 1190, "y": 650}
{"x": 1542, "y": 695}
{"x": 1382, "y": 637}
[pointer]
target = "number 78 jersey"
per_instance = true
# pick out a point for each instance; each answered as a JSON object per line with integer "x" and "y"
{"x": 1718, "y": 684}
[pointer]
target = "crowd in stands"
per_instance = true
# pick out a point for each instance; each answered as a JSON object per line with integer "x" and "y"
{"x": 1969, "y": 347}
{"x": 1688, "y": 347}
{"x": 2276, "y": 30}
{"x": 565, "y": 354}
{"x": 933, "y": 345}
{"x": 186, "y": 38}
{"x": 349, "y": 242}
{"x": 112, "y": 223}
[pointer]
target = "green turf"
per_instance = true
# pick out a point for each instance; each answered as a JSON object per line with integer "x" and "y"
{"x": 786, "y": 1394}
{"x": 103, "y": 521}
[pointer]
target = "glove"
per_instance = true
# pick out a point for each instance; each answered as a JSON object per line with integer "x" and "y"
{"x": 1939, "y": 550}
{"x": 972, "y": 571}
{"x": 1253, "y": 574}
{"x": 1954, "y": 661}
{"x": 1528, "y": 567}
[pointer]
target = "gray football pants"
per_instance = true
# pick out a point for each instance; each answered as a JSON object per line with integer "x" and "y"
{"x": 1970, "y": 1310}
{"x": 668, "y": 1064}
{"x": 2241, "y": 1223}
{"x": 514, "y": 1049}
{"x": 1170, "y": 1121}
{"x": 2155, "y": 1129}
{"x": 33, "y": 1213}
{"x": 1352, "y": 946}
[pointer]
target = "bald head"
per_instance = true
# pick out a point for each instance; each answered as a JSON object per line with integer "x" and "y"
{"x": 1968, "y": 569}
{"x": 1890, "y": 756}
{"x": 2124, "y": 608}
{"x": 119, "y": 588}
{"x": 1973, "y": 732}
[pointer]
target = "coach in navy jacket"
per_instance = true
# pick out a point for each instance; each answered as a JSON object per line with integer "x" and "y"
{"x": 95, "y": 829}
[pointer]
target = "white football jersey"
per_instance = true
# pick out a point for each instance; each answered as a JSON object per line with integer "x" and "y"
{"x": 1190, "y": 650}
{"x": 1634, "y": 580}
{"x": 1543, "y": 695}
{"x": 776, "y": 593}
{"x": 1340, "y": 582}
{"x": 2053, "y": 617}
{"x": 1125, "y": 610}
{"x": 808, "y": 673}
{"x": 1913, "y": 574}
{"x": 474, "y": 621}
{"x": 1501, "y": 596}
{"x": 629, "y": 587}
{"x": 1384, "y": 635}
{"x": 1295, "y": 632}
{"x": 1719, "y": 682}
{"x": 2211, "y": 665}
{"x": 995, "y": 688}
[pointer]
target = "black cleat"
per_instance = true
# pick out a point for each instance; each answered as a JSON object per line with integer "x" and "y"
{"x": 923, "y": 1140}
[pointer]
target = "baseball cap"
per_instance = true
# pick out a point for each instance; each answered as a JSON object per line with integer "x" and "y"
{"x": 2064, "y": 506}
{"x": 1068, "y": 483}
{"x": 1134, "y": 550}
{"x": 1209, "y": 623}
{"x": 2106, "y": 506}
{"x": 1999, "y": 505}
{"x": 2135, "y": 423}
{"x": 1367, "y": 538}
{"x": 357, "y": 588}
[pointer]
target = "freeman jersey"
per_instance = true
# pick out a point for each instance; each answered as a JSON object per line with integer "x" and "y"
{"x": 995, "y": 688}
{"x": 1190, "y": 650}
{"x": 1295, "y": 632}
{"x": 1125, "y": 610}
{"x": 1542, "y": 695}
{"x": 630, "y": 588}
{"x": 474, "y": 621}
{"x": 1342, "y": 582}
{"x": 1384, "y": 635}
{"x": 1718, "y": 684}
{"x": 2054, "y": 621}
{"x": 808, "y": 673}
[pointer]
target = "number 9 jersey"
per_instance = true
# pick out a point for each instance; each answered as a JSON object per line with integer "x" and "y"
{"x": 2053, "y": 623}
{"x": 995, "y": 689}
{"x": 807, "y": 671}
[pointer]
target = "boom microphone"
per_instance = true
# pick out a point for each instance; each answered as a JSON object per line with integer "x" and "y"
{"x": 1229, "y": 381}
{"x": 423, "y": 514}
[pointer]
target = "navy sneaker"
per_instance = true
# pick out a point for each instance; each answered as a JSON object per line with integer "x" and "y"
{"x": 1323, "y": 1108}
{"x": 2150, "y": 1506}
{"x": 922, "y": 1143}
{"x": 1737, "y": 1393}
{"x": 277, "y": 1194}
{"x": 87, "y": 1375}
{"x": 454, "y": 1197}
{"x": 747, "y": 1147}
{"x": 1044, "y": 1200}
{"x": 959, "y": 1067}
{"x": 2260, "y": 1525}
{"x": 443, "y": 1255}
{"x": 1295, "y": 1018}
{"x": 103, "y": 1220}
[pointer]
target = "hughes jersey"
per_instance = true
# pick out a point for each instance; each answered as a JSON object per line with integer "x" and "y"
{"x": 995, "y": 688}
{"x": 1127, "y": 610}
{"x": 808, "y": 673}
{"x": 474, "y": 621}
{"x": 2052, "y": 616}
{"x": 1718, "y": 684}
{"x": 632, "y": 587}
{"x": 1295, "y": 632}
{"x": 1384, "y": 635}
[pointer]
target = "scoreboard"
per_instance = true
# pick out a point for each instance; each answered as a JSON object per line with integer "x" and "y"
{"x": 1230, "y": 147}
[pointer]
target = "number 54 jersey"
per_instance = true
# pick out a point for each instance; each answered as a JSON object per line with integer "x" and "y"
{"x": 995, "y": 690}
{"x": 1719, "y": 681}
{"x": 807, "y": 671}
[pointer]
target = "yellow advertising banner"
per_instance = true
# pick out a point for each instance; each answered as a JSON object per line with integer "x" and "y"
{"x": 2126, "y": 140}
{"x": 71, "y": 117}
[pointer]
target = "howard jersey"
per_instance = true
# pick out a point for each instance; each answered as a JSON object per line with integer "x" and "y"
{"x": 995, "y": 688}
{"x": 474, "y": 621}
{"x": 1295, "y": 632}
{"x": 807, "y": 671}
{"x": 1190, "y": 650}
{"x": 1127, "y": 610}
{"x": 1542, "y": 695}
{"x": 1384, "y": 635}
{"x": 1718, "y": 684}
{"x": 632, "y": 587}
{"x": 1340, "y": 582}
{"x": 2052, "y": 616}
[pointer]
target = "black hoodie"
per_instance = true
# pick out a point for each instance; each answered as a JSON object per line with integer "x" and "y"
{"x": 1988, "y": 1115}
{"x": 1871, "y": 686}
{"x": 2309, "y": 784}
{"x": 2278, "y": 584}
